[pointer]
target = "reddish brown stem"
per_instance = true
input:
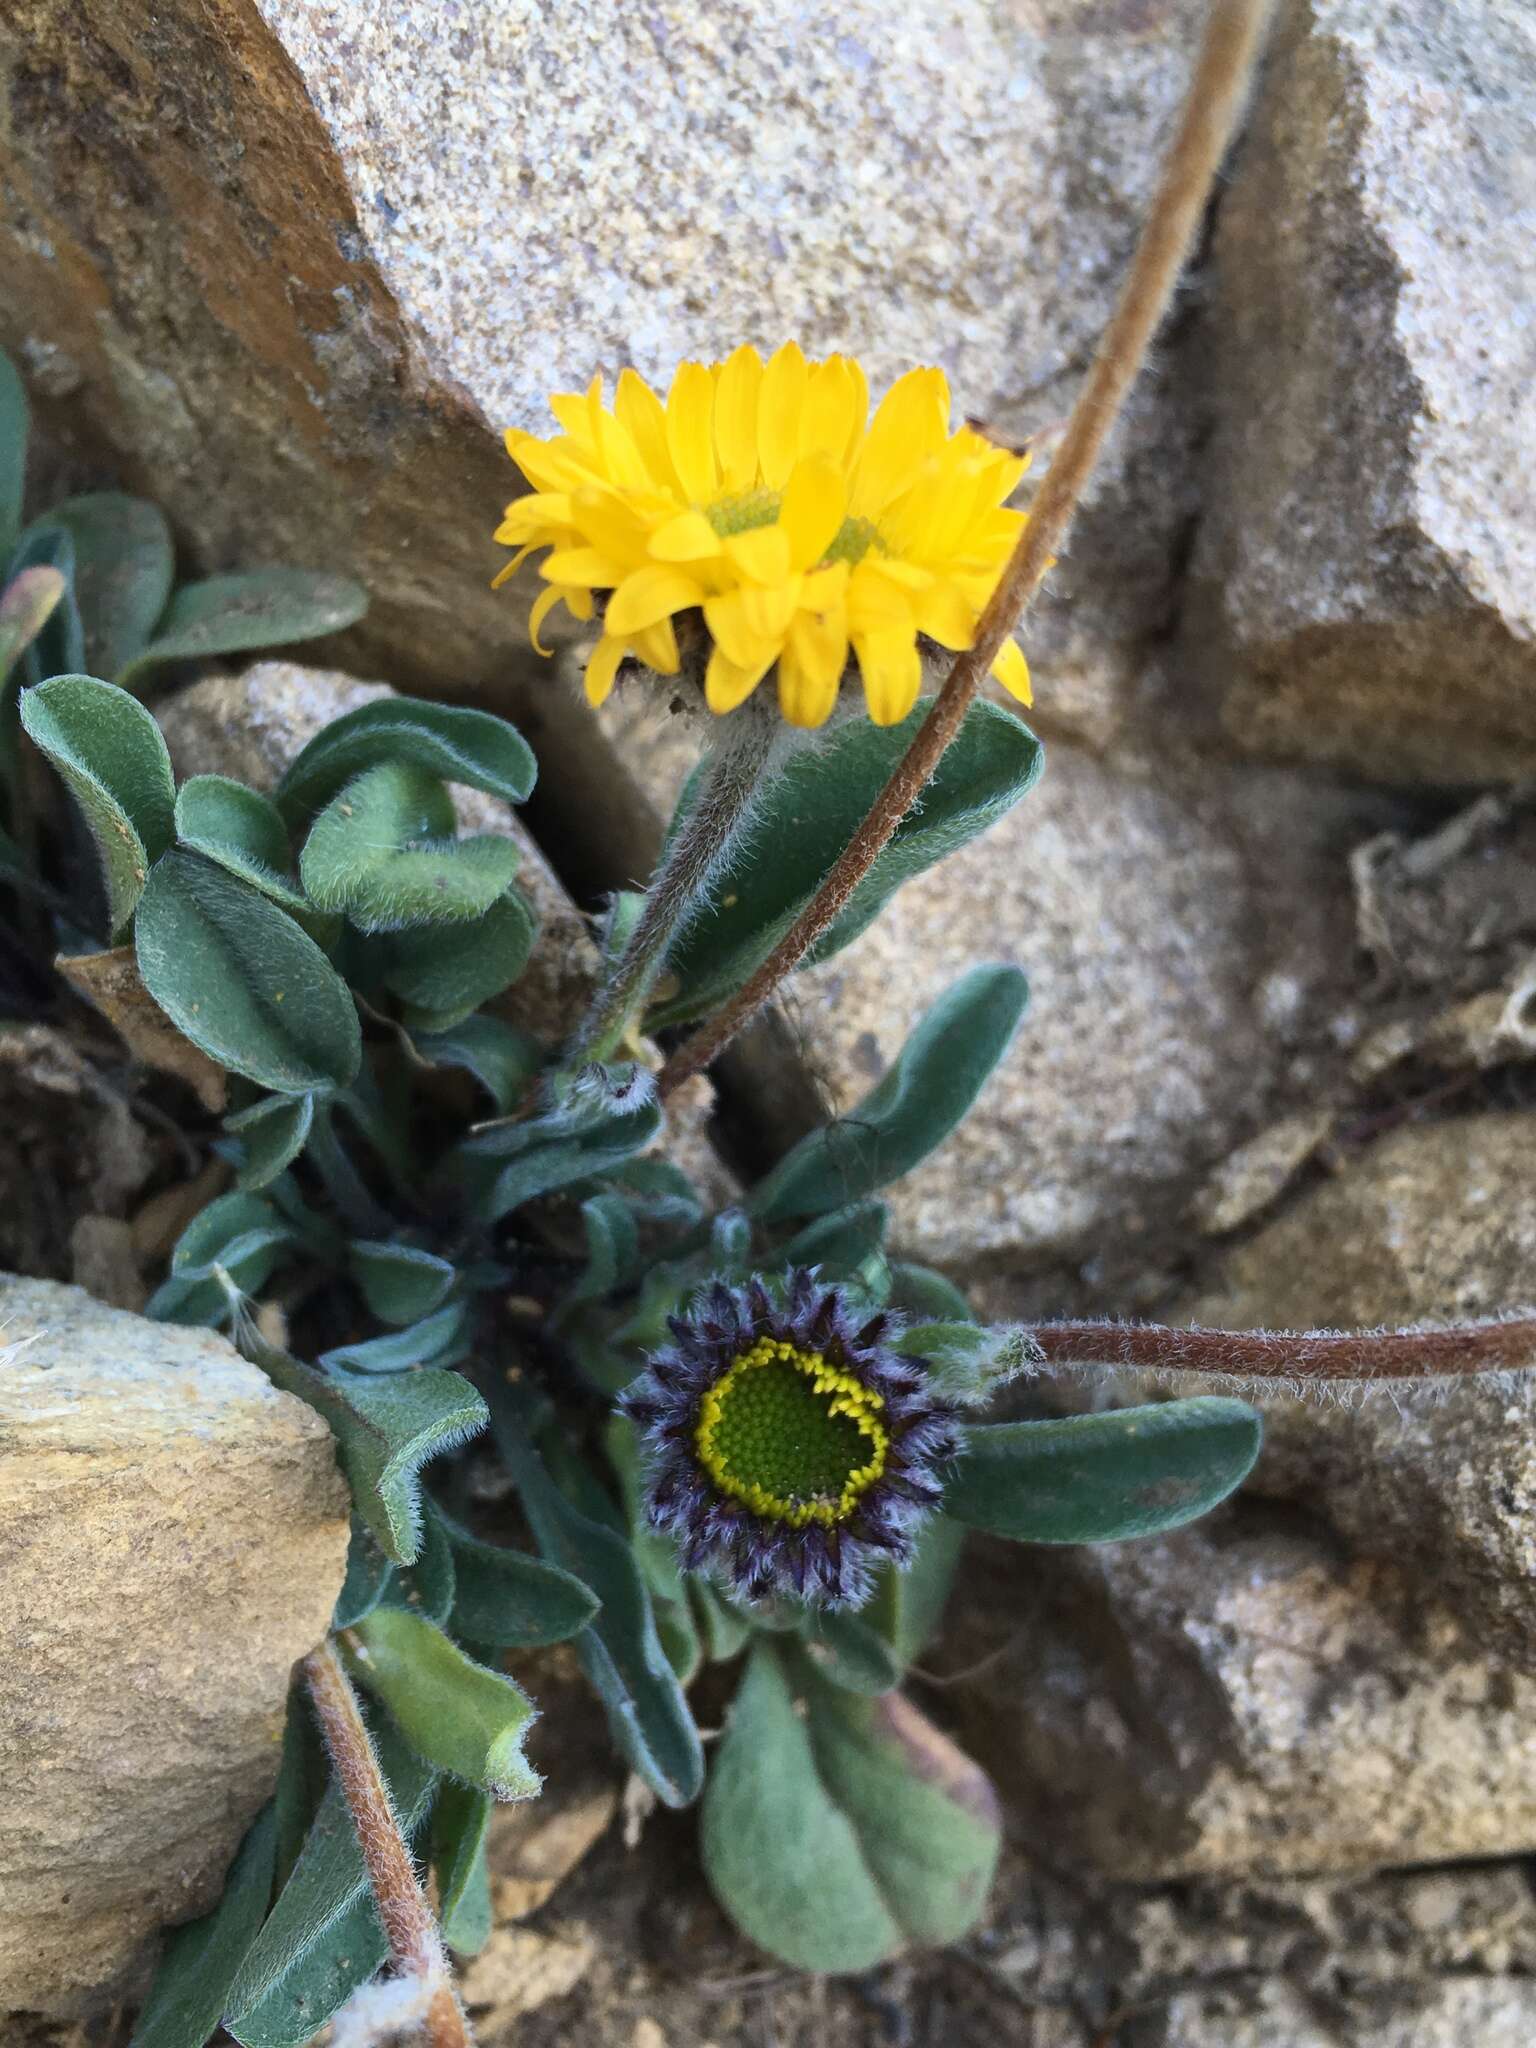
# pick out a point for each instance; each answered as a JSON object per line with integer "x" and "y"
{"x": 409, "y": 1927}
{"x": 1458, "y": 1352}
{"x": 1209, "y": 116}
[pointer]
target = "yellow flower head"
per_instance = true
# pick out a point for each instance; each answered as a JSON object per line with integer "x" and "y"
{"x": 763, "y": 496}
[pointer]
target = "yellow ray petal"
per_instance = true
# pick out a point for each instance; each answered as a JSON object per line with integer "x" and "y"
{"x": 779, "y": 407}
{"x": 743, "y": 643}
{"x": 736, "y": 396}
{"x": 541, "y": 512}
{"x": 831, "y": 410}
{"x": 589, "y": 567}
{"x": 944, "y": 615}
{"x": 819, "y": 642}
{"x": 543, "y": 605}
{"x": 602, "y": 667}
{"x": 727, "y": 684}
{"x": 909, "y": 426}
{"x": 644, "y": 418}
{"x": 892, "y": 672}
{"x": 804, "y": 699}
{"x": 1012, "y": 671}
{"x": 687, "y": 538}
{"x": 657, "y": 647}
{"x": 690, "y": 431}
{"x": 648, "y": 595}
{"x": 812, "y": 509}
{"x": 876, "y": 601}
{"x": 762, "y": 554}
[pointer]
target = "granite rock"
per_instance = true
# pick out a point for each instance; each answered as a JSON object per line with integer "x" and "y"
{"x": 1432, "y": 1223}
{"x": 1364, "y": 583}
{"x": 175, "y": 1535}
{"x": 1242, "y": 1698}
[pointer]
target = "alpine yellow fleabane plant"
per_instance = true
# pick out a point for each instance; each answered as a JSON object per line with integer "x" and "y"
{"x": 763, "y": 497}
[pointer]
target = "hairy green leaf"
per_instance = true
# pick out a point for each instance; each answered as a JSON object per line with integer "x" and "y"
{"x": 253, "y": 608}
{"x": 1102, "y": 1478}
{"x": 460, "y": 1823}
{"x": 112, "y": 759}
{"x": 506, "y": 1599}
{"x": 27, "y": 603}
{"x": 441, "y": 973}
{"x": 502, "y": 1059}
{"x": 850, "y": 1652}
{"x": 428, "y": 1584}
{"x": 58, "y": 646}
{"x": 809, "y": 815}
{"x": 124, "y": 567}
{"x": 620, "y": 1651}
{"x": 297, "y": 1972}
{"x": 440, "y": 1339}
{"x": 369, "y": 1573}
{"x": 237, "y": 976}
{"x": 466, "y": 1719}
{"x": 508, "y": 1164}
{"x": 383, "y": 853}
{"x": 386, "y": 1429}
{"x": 199, "y": 1961}
{"x": 399, "y": 1282}
{"x": 240, "y": 831}
{"x": 834, "y": 1838}
{"x": 272, "y": 1134}
{"x": 839, "y": 1244}
{"x": 919, "y": 1291}
{"x": 474, "y": 748}
{"x": 14, "y": 424}
{"x": 931, "y": 1084}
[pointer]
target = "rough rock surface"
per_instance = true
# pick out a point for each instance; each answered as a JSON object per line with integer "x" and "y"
{"x": 1365, "y": 577}
{"x": 173, "y": 1533}
{"x": 1187, "y": 937}
{"x": 1432, "y": 1223}
{"x": 1240, "y": 1697}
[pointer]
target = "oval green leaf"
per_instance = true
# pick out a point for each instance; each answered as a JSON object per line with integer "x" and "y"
{"x": 14, "y": 424}
{"x": 443, "y": 974}
{"x": 382, "y": 853}
{"x": 237, "y": 976}
{"x": 474, "y": 748}
{"x": 1103, "y": 1478}
{"x": 124, "y": 567}
{"x": 113, "y": 760}
{"x": 240, "y": 831}
{"x": 238, "y": 613}
{"x": 465, "y": 1719}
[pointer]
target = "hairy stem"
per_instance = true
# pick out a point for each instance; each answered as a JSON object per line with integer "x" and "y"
{"x": 1210, "y": 114}
{"x": 743, "y": 748}
{"x": 1458, "y": 1352}
{"x": 414, "y": 1945}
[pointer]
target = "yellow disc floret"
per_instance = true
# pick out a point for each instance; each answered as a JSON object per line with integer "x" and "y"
{"x": 791, "y": 1435}
{"x": 763, "y": 497}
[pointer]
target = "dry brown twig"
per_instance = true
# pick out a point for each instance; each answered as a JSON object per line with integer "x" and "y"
{"x": 1233, "y": 37}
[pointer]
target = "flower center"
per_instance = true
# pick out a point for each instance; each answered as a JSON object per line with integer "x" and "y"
{"x": 748, "y": 510}
{"x": 791, "y": 1435}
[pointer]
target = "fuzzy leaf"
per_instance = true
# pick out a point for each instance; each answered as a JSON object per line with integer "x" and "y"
{"x": 1102, "y": 1478}
{"x": 238, "y": 1234}
{"x": 813, "y": 809}
{"x": 439, "y": 1339}
{"x": 460, "y": 1823}
{"x": 474, "y": 748}
{"x": 369, "y": 1573}
{"x": 620, "y": 1651}
{"x": 14, "y": 423}
{"x": 400, "y": 1283}
{"x": 112, "y": 982}
{"x": 386, "y": 1429}
{"x": 443, "y": 973}
{"x": 512, "y": 1163}
{"x": 467, "y": 1720}
{"x": 921, "y": 1292}
{"x": 272, "y": 1134}
{"x": 255, "y": 608}
{"x": 507, "y": 1600}
{"x": 124, "y": 568}
{"x": 298, "y": 1971}
{"x": 110, "y": 754}
{"x": 58, "y": 646}
{"x": 382, "y": 853}
{"x": 840, "y": 1243}
{"x": 240, "y": 831}
{"x": 501, "y": 1058}
{"x": 199, "y": 1961}
{"x": 27, "y": 603}
{"x": 931, "y": 1084}
{"x": 909, "y": 1605}
{"x": 237, "y": 976}
{"x": 851, "y": 1653}
{"x": 613, "y": 1245}
{"x": 834, "y": 1839}
{"x": 427, "y": 1585}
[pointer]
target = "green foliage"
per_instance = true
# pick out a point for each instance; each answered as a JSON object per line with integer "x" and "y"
{"x": 836, "y": 1830}
{"x": 124, "y": 566}
{"x": 14, "y": 420}
{"x": 442, "y": 973}
{"x": 240, "y": 831}
{"x": 460, "y": 1823}
{"x": 811, "y": 812}
{"x": 110, "y": 755}
{"x": 201, "y": 1960}
{"x": 469, "y": 747}
{"x": 383, "y": 853}
{"x": 1102, "y": 1478}
{"x": 466, "y": 1720}
{"x": 931, "y": 1084}
{"x": 239, "y": 613}
{"x": 242, "y": 981}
